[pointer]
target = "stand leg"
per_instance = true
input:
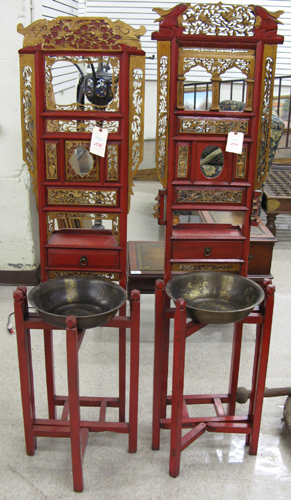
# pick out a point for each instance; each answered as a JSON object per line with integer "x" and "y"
{"x": 165, "y": 359}
{"x": 74, "y": 403}
{"x": 49, "y": 369}
{"x": 158, "y": 356}
{"x": 122, "y": 367}
{"x": 134, "y": 371}
{"x": 25, "y": 369}
{"x": 234, "y": 370}
{"x": 178, "y": 386}
{"x": 259, "y": 384}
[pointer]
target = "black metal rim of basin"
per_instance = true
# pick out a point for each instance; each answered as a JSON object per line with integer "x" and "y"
{"x": 93, "y": 301}
{"x": 215, "y": 297}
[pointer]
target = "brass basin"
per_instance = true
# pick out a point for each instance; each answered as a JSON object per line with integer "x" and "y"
{"x": 215, "y": 297}
{"x": 93, "y": 302}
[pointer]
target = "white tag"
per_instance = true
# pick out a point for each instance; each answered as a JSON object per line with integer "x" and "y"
{"x": 234, "y": 142}
{"x": 135, "y": 272}
{"x": 98, "y": 141}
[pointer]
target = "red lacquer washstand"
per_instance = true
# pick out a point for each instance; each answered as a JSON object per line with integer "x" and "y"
{"x": 199, "y": 174}
{"x": 78, "y": 74}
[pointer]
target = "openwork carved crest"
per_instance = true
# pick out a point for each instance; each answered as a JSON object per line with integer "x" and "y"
{"x": 219, "y": 19}
{"x": 77, "y": 33}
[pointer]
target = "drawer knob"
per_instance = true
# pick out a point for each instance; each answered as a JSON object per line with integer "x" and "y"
{"x": 83, "y": 261}
{"x": 207, "y": 251}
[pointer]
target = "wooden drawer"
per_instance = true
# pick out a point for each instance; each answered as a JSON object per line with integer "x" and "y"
{"x": 211, "y": 249}
{"x": 83, "y": 258}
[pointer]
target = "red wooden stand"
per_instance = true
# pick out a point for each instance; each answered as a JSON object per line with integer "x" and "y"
{"x": 225, "y": 421}
{"x": 70, "y": 424}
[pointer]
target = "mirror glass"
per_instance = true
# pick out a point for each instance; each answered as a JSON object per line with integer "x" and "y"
{"x": 211, "y": 162}
{"x": 81, "y": 161}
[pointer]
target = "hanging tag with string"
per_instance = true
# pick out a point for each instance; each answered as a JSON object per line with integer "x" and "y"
{"x": 98, "y": 141}
{"x": 234, "y": 142}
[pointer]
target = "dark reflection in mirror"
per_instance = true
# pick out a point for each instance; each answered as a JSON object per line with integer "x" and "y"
{"x": 211, "y": 162}
{"x": 81, "y": 161}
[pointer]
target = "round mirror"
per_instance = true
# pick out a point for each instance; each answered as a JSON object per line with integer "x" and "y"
{"x": 211, "y": 162}
{"x": 81, "y": 161}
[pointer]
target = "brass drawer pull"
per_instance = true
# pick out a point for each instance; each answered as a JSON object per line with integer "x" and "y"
{"x": 207, "y": 251}
{"x": 83, "y": 261}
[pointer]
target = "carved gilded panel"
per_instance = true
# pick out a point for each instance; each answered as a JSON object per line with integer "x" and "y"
{"x": 241, "y": 164}
{"x": 163, "y": 111}
{"x": 182, "y": 164}
{"x": 205, "y": 267}
{"x": 112, "y": 171}
{"x": 51, "y": 160}
{"x": 82, "y": 274}
{"x": 81, "y": 165}
{"x": 81, "y": 197}
{"x": 28, "y": 115}
{"x": 265, "y": 114}
{"x": 60, "y": 220}
{"x": 209, "y": 196}
{"x": 212, "y": 126}
{"x": 80, "y": 126}
{"x": 136, "y": 117}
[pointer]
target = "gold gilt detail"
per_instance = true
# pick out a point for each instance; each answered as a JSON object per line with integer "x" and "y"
{"x": 182, "y": 162}
{"x": 28, "y": 115}
{"x": 205, "y": 267}
{"x": 219, "y": 19}
{"x": 80, "y": 126}
{"x": 82, "y": 274}
{"x": 81, "y": 197}
{"x": 136, "y": 118}
{"x": 241, "y": 163}
{"x": 266, "y": 115}
{"x": 200, "y": 126}
{"x": 51, "y": 161}
{"x": 209, "y": 196}
{"x": 112, "y": 162}
{"x": 163, "y": 111}
{"x": 75, "y": 33}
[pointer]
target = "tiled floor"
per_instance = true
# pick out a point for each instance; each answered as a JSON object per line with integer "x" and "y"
{"x": 216, "y": 466}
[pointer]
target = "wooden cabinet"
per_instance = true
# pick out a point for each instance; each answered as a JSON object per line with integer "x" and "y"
{"x": 78, "y": 74}
{"x": 196, "y": 166}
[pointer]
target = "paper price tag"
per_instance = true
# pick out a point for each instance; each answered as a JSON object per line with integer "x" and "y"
{"x": 98, "y": 141}
{"x": 234, "y": 142}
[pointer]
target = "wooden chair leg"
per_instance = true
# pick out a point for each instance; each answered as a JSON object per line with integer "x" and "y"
{"x": 234, "y": 369}
{"x": 77, "y": 447}
{"x": 158, "y": 356}
{"x": 134, "y": 371}
{"x": 25, "y": 369}
{"x": 178, "y": 386}
{"x": 49, "y": 370}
